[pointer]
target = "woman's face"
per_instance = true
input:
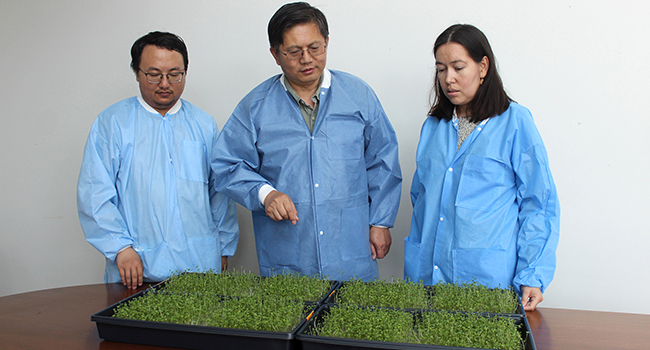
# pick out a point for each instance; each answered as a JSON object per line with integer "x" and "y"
{"x": 459, "y": 75}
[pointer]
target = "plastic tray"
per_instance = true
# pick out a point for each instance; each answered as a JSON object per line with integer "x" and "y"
{"x": 190, "y": 336}
{"x": 187, "y": 336}
{"x": 314, "y": 342}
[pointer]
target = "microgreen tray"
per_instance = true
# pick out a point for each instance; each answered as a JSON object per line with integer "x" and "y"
{"x": 188, "y": 336}
{"x": 182, "y": 335}
{"x": 310, "y": 341}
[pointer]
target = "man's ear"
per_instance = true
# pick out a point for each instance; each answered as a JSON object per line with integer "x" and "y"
{"x": 275, "y": 54}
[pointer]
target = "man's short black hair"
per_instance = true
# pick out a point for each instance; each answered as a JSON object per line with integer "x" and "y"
{"x": 290, "y": 15}
{"x": 162, "y": 40}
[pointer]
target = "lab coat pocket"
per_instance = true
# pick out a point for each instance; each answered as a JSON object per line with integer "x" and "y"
{"x": 487, "y": 266}
{"x": 344, "y": 137}
{"x": 355, "y": 242}
{"x": 193, "y": 166}
{"x": 412, "y": 260}
{"x": 279, "y": 243}
{"x": 484, "y": 183}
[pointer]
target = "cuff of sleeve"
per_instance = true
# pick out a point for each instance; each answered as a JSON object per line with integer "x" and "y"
{"x": 264, "y": 191}
{"x": 123, "y": 249}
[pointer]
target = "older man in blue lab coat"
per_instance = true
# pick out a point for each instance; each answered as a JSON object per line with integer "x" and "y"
{"x": 314, "y": 157}
{"x": 146, "y": 195}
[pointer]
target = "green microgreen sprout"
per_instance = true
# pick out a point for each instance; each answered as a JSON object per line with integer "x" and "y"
{"x": 431, "y": 328}
{"x": 377, "y": 324}
{"x": 227, "y": 283}
{"x": 473, "y": 297}
{"x": 381, "y": 311}
{"x": 293, "y": 286}
{"x": 468, "y": 330}
{"x": 230, "y": 299}
{"x": 397, "y": 294}
{"x": 258, "y": 313}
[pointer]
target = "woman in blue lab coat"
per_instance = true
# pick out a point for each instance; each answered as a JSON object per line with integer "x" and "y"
{"x": 485, "y": 205}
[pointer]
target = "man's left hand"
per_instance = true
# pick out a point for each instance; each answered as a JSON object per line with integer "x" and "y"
{"x": 530, "y": 297}
{"x": 380, "y": 241}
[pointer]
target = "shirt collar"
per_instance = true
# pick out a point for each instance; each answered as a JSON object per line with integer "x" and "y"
{"x": 177, "y": 106}
{"x": 315, "y": 97}
{"x": 326, "y": 80}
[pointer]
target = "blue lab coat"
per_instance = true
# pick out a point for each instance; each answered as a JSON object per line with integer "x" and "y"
{"x": 342, "y": 178}
{"x": 488, "y": 211}
{"x": 146, "y": 182}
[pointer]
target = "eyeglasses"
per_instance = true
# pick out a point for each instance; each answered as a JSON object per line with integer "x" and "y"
{"x": 296, "y": 54}
{"x": 172, "y": 78}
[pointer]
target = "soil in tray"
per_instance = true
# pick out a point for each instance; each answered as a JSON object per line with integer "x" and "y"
{"x": 349, "y": 327}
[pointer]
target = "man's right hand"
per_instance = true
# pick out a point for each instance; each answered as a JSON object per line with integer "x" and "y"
{"x": 130, "y": 266}
{"x": 280, "y": 207}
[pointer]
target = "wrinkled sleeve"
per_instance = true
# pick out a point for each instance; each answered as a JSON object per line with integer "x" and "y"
{"x": 382, "y": 166}
{"x": 224, "y": 214}
{"x": 539, "y": 212}
{"x": 236, "y": 162}
{"x": 97, "y": 199}
{"x": 416, "y": 185}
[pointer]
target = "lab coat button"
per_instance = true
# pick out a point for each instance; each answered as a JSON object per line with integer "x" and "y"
{"x": 451, "y": 169}
{"x": 442, "y": 219}
{"x": 321, "y": 233}
{"x": 316, "y": 185}
{"x": 435, "y": 267}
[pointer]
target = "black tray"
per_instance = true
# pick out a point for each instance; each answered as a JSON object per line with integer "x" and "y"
{"x": 314, "y": 342}
{"x": 188, "y": 336}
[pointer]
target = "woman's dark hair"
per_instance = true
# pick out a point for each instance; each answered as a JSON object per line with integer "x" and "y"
{"x": 491, "y": 98}
{"x": 290, "y": 15}
{"x": 162, "y": 40}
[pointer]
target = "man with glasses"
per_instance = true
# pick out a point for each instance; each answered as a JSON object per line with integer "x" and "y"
{"x": 314, "y": 157}
{"x": 146, "y": 194}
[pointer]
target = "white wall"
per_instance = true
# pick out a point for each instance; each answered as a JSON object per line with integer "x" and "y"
{"x": 580, "y": 66}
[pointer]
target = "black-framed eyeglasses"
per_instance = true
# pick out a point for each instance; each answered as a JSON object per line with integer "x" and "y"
{"x": 155, "y": 78}
{"x": 296, "y": 54}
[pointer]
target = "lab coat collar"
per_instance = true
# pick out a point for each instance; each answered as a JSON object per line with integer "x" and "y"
{"x": 325, "y": 84}
{"x": 177, "y": 106}
{"x": 454, "y": 119}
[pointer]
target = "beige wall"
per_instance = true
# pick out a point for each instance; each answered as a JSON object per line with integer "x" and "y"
{"x": 580, "y": 66}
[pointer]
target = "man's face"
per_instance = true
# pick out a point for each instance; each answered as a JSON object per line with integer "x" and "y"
{"x": 304, "y": 72}
{"x": 155, "y": 60}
